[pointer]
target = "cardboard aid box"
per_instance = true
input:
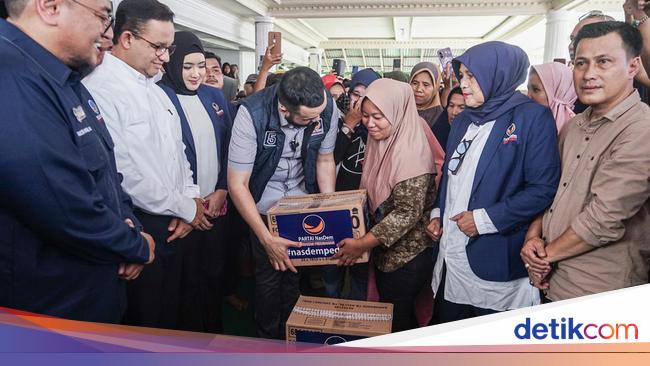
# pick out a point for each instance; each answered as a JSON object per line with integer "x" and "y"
{"x": 331, "y": 321}
{"x": 319, "y": 222}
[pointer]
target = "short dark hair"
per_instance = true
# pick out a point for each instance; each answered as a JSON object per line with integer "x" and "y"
{"x": 131, "y": 15}
{"x": 301, "y": 86}
{"x": 632, "y": 40}
{"x": 214, "y": 56}
{"x": 12, "y": 8}
{"x": 273, "y": 79}
{"x": 457, "y": 90}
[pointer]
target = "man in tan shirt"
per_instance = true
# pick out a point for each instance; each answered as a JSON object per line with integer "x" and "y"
{"x": 595, "y": 237}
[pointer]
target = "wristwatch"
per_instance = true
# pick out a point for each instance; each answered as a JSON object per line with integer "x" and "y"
{"x": 636, "y": 23}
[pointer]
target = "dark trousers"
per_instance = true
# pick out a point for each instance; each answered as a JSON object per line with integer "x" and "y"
{"x": 153, "y": 298}
{"x": 276, "y": 293}
{"x": 402, "y": 286}
{"x": 446, "y": 311}
{"x": 202, "y": 254}
{"x": 333, "y": 278}
{"x": 237, "y": 249}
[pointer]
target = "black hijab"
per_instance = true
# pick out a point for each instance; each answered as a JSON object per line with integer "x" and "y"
{"x": 186, "y": 43}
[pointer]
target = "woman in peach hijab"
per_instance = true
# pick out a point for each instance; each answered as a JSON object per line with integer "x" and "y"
{"x": 399, "y": 174}
{"x": 551, "y": 85}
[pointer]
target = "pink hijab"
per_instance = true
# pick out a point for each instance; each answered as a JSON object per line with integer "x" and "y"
{"x": 406, "y": 153}
{"x": 557, "y": 80}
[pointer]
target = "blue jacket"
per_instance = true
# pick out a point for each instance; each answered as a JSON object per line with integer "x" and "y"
{"x": 62, "y": 210}
{"x": 516, "y": 180}
{"x": 219, "y": 111}
{"x": 263, "y": 108}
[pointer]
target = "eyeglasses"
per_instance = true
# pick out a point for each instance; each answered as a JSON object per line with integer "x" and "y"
{"x": 158, "y": 49}
{"x": 107, "y": 19}
{"x": 459, "y": 155}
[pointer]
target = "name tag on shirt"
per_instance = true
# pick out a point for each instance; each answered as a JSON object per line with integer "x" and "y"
{"x": 84, "y": 131}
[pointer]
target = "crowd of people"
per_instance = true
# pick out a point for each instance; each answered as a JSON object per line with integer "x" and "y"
{"x": 134, "y": 173}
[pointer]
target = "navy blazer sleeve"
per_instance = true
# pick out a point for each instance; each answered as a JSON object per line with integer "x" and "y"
{"x": 44, "y": 181}
{"x": 223, "y": 134}
{"x": 541, "y": 175}
{"x": 127, "y": 206}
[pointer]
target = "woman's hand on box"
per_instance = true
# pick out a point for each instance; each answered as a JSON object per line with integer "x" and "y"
{"x": 350, "y": 249}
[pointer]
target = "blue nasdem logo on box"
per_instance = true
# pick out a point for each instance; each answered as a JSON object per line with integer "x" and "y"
{"x": 310, "y": 336}
{"x": 318, "y": 232}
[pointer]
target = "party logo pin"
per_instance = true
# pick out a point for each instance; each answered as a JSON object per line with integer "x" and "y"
{"x": 318, "y": 128}
{"x": 217, "y": 110}
{"x": 93, "y": 106}
{"x": 510, "y": 134}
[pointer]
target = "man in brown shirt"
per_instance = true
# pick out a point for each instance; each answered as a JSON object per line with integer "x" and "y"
{"x": 595, "y": 237}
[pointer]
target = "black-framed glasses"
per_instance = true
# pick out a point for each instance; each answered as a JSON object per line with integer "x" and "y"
{"x": 459, "y": 156}
{"x": 107, "y": 19}
{"x": 159, "y": 50}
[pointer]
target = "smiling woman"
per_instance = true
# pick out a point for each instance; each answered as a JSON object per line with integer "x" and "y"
{"x": 203, "y": 119}
{"x": 399, "y": 174}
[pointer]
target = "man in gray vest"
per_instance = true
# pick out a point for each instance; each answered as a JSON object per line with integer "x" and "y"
{"x": 282, "y": 144}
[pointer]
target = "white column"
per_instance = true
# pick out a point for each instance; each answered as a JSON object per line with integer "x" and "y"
{"x": 263, "y": 25}
{"x": 315, "y": 59}
{"x": 246, "y": 66}
{"x": 559, "y": 24}
{"x": 116, "y": 3}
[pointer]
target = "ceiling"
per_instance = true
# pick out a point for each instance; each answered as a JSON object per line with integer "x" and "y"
{"x": 371, "y": 33}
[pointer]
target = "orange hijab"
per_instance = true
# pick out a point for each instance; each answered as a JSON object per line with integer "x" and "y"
{"x": 406, "y": 153}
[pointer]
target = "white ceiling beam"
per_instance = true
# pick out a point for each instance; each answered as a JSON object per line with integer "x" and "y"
{"x": 201, "y": 16}
{"x": 421, "y": 54}
{"x": 566, "y": 4}
{"x": 390, "y": 8}
{"x": 504, "y": 27}
{"x": 257, "y": 6}
{"x": 522, "y": 27}
{"x": 392, "y": 44}
{"x": 402, "y": 28}
{"x": 381, "y": 61}
{"x": 298, "y": 33}
{"x": 363, "y": 56}
{"x": 604, "y": 5}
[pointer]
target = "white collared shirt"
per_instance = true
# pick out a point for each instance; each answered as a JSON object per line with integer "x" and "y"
{"x": 146, "y": 130}
{"x": 462, "y": 285}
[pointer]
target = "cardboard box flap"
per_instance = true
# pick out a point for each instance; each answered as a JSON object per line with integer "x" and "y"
{"x": 293, "y": 206}
{"x": 339, "y": 316}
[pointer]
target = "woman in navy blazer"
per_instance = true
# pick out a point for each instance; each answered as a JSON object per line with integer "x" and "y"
{"x": 205, "y": 124}
{"x": 501, "y": 171}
